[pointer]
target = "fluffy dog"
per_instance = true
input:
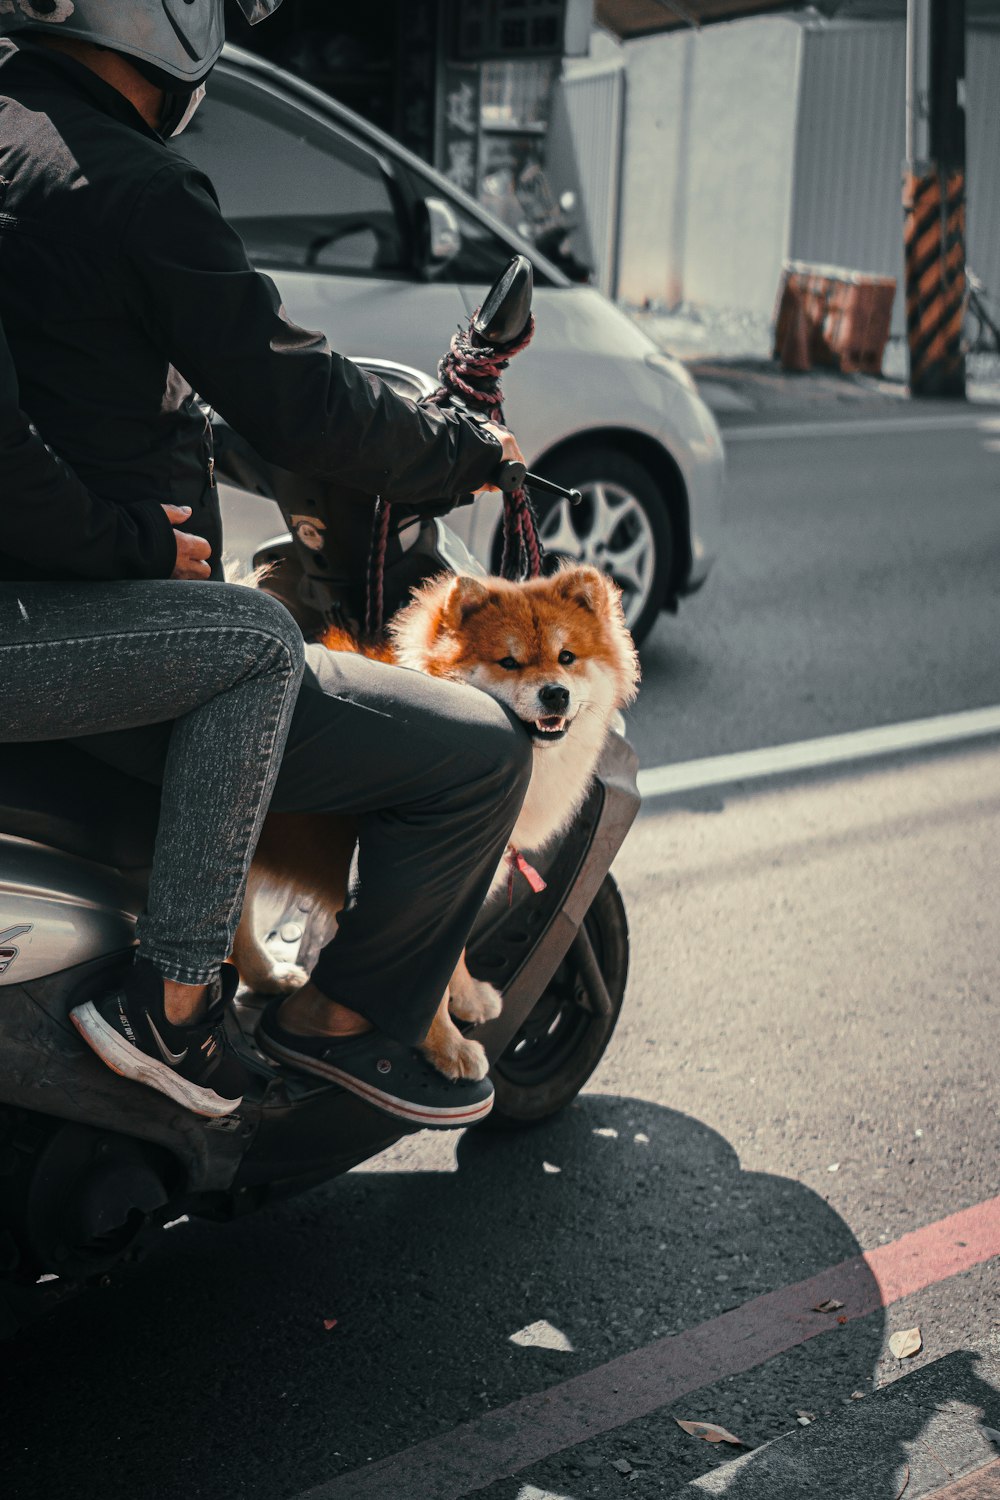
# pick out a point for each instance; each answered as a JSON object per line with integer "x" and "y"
{"x": 556, "y": 651}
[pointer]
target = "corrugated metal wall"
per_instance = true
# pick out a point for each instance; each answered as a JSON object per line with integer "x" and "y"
{"x": 850, "y": 145}
{"x": 594, "y": 99}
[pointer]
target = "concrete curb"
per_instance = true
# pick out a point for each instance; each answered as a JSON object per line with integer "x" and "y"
{"x": 912, "y": 1438}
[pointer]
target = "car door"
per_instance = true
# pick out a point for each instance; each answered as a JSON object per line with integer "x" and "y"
{"x": 321, "y": 213}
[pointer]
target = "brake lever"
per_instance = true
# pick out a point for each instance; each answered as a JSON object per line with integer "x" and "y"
{"x": 512, "y": 475}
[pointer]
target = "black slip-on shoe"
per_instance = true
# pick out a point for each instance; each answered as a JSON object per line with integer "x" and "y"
{"x": 193, "y": 1065}
{"x": 395, "y": 1079}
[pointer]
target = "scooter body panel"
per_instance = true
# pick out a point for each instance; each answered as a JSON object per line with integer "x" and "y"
{"x": 58, "y": 911}
{"x": 574, "y": 871}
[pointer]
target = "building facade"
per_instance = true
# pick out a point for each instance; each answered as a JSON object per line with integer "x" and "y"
{"x": 780, "y": 138}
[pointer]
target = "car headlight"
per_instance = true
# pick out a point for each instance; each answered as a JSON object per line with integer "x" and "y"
{"x": 667, "y": 365}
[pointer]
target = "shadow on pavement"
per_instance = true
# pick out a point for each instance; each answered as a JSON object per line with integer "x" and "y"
{"x": 912, "y": 1440}
{"x": 208, "y": 1370}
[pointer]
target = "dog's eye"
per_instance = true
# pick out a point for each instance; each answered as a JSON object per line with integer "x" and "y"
{"x": 508, "y": 663}
{"x": 566, "y": 658}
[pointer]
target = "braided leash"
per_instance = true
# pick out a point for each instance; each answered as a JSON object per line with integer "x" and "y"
{"x": 472, "y": 372}
{"x": 374, "y": 607}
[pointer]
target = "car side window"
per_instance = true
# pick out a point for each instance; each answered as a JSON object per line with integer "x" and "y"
{"x": 301, "y": 196}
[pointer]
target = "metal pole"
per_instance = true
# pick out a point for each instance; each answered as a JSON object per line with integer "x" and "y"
{"x": 934, "y": 196}
{"x": 918, "y": 82}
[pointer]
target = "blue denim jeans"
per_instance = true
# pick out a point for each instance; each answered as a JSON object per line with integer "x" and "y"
{"x": 221, "y": 666}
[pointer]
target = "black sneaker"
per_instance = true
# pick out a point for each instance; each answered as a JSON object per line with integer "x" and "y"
{"x": 192, "y": 1065}
{"x": 395, "y": 1079}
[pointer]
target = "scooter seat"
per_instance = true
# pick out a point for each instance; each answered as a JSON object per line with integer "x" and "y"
{"x": 58, "y": 795}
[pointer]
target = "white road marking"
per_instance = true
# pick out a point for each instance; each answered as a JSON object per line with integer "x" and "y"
{"x": 959, "y": 421}
{"x": 810, "y": 755}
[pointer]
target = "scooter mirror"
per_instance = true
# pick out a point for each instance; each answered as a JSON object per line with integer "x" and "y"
{"x": 503, "y": 316}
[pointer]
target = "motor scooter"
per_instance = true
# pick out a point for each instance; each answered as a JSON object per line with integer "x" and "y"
{"x": 91, "y": 1165}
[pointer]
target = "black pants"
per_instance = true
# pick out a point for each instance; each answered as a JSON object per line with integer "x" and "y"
{"x": 435, "y": 773}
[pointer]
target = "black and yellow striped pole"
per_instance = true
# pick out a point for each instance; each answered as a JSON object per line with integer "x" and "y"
{"x": 934, "y": 196}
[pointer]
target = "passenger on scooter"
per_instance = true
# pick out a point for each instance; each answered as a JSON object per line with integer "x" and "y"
{"x": 157, "y": 297}
{"x": 85, "y": 654}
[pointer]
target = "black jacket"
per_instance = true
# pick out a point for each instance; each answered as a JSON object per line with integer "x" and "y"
{"x": 123, "y": 290}
{"x": 51, "y": 525}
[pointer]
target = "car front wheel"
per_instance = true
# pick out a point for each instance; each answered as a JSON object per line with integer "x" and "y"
{"x": 621, "y": 526}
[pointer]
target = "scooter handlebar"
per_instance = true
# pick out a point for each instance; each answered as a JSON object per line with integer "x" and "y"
{"x": 512, "y": 475}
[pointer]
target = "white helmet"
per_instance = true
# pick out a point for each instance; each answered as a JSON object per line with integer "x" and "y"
{"x": 174, "y": 42}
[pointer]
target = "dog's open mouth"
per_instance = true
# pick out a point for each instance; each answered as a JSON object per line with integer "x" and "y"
{"x": 544, "y": 731}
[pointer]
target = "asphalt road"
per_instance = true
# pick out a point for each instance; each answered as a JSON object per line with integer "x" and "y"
{"x": 806, "y": 1068}
{"x": 859, "y": 585}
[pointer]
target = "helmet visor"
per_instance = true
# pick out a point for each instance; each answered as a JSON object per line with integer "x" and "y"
{"x": 258, "y": 10}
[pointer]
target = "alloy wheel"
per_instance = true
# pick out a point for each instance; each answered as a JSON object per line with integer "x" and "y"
{"x": 610, "y": 530}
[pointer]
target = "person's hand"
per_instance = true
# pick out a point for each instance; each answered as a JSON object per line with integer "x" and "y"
{"x": 510, "y": 451}
{"x": 192, "y": 551}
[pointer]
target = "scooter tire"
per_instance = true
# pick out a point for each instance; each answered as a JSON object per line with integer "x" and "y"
{"x": 551, "y": 1057}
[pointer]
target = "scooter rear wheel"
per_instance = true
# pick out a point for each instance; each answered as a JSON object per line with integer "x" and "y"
{"x": 550, "y": 1058}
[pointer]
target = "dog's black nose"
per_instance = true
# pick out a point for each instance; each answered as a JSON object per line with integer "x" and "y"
{"x": 554, "y": 698}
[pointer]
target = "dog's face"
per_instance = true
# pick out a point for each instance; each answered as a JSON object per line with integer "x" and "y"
{"x": 555, "y": 650}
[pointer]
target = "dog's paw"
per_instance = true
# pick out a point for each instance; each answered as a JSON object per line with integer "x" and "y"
{"x": 458, "y": 1058}
{"x": 281, "y": 979}
{"x": 473, "y": 999}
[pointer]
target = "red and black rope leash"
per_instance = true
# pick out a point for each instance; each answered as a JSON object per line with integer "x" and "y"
{"x": 470, "y": 372}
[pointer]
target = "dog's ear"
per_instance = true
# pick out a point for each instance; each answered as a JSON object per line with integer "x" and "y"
{"x": 466, "y": 597}
{"x": 582, "y": 585}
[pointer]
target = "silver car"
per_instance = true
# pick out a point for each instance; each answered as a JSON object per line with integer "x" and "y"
{"x": 384, "y": 255}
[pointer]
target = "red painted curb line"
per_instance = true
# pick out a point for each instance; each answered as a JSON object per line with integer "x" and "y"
{"x": 504, "y": 1441}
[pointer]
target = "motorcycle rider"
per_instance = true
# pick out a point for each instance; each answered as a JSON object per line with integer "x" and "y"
{"x": 112, "y": 655}
{"x": 123, "y": 290}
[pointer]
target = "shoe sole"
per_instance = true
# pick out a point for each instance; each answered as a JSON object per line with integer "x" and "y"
{"x": 128, "y": 1062}
{"x": 443, "y": 1118}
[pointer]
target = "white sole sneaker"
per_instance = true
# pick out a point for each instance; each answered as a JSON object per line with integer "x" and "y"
{"x": 129, "y": 1062}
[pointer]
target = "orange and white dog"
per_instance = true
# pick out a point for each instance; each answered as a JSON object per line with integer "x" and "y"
{"x": 556, "y": 651}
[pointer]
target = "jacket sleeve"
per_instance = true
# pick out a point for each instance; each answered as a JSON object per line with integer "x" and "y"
{"x": 222, "y": 325}
{"x": 52, "y": 522}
